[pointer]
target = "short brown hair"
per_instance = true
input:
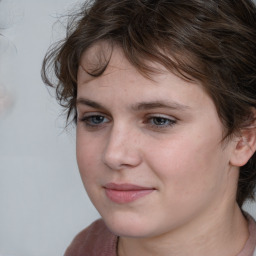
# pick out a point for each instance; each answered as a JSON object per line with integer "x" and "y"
{"x": 211, "y": 41}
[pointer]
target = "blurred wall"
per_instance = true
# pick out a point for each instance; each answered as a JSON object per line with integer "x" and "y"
{"x": 42, "y": 200}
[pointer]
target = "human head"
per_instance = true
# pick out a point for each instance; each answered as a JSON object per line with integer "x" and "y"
{"x": 212, "y": 42}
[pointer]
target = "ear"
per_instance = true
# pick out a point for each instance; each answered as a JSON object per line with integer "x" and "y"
{"x": 245, "y": 147}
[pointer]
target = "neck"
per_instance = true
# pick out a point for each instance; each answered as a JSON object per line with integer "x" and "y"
{"x": 221, "y": 233}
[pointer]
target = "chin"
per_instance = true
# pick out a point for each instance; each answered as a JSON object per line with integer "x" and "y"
{"x": 129, "y": 226}
{"x": 128, "y": 231}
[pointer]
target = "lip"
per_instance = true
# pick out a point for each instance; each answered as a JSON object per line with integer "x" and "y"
{"x": 126, "y": 193}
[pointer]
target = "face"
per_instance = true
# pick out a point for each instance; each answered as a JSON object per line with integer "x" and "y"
{"x": 150, "y": 152}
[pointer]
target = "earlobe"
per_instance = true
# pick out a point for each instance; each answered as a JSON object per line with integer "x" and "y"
{"x": 245, "y": 147}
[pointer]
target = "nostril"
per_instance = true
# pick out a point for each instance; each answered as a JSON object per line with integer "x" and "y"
{"x": 121, "y": 157}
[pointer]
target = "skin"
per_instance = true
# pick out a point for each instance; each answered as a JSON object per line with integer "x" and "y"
{"x": 163, "y": 134}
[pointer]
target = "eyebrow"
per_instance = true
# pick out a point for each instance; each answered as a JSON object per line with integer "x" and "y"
{"x": 90, "y": 103}
{"x": 159, "y": 104}
{"x": 138, "y": 106}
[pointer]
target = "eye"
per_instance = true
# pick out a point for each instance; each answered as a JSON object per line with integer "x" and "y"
{"x": 94, "y": 120}
{"x": 160, "y": 121}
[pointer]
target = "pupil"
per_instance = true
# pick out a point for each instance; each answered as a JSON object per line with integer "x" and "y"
{"x": 159, "y": 121}
{"x": 98, "y": 119}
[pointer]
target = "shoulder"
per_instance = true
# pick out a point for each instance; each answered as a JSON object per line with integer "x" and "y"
{"x": 95, "y": 240}
{"x": 250, "y": 246}
{"x": 252, "y": 232}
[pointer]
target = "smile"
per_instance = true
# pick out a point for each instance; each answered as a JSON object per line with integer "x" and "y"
{"x": 125, "y": 193}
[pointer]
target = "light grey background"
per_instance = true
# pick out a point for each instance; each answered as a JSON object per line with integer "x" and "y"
{"x": 42, "y": 200}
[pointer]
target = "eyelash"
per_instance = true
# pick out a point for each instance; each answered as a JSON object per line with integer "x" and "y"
{"x": 89, "y": 121}
{"x": 151, "y": 122}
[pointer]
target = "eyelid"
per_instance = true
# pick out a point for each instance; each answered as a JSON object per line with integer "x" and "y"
{"x": 85, "y": 114}
{"x": 171, "y": 118}
{"x": 86, "y": 120}
{"x": 170, "y": 121}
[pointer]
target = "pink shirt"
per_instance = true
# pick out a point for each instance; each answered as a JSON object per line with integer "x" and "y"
{"x": 97, "y": 240}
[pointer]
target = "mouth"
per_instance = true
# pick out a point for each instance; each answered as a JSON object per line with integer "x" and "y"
{"x": 126, "y": 193}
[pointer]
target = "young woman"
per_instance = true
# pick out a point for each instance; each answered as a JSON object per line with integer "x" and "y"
{"x": 163, "y": 94}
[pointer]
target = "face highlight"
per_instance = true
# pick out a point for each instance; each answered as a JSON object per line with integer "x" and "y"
{"x": 149, "y": 152}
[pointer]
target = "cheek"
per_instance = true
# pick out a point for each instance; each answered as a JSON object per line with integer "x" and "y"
{"x": 88, "y": 158}
{"x": 189, "y": 164}
{"x": 87, "y": 154}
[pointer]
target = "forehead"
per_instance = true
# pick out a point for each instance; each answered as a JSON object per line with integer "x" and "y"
{"x": 104, "y": 55}
{"x": 123, "y": 80}
{"x": 183, "y": 63}
{"x": 96, "y": 57}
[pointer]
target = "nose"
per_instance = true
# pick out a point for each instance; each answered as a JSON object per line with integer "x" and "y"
{"x": 122, "y": 149}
